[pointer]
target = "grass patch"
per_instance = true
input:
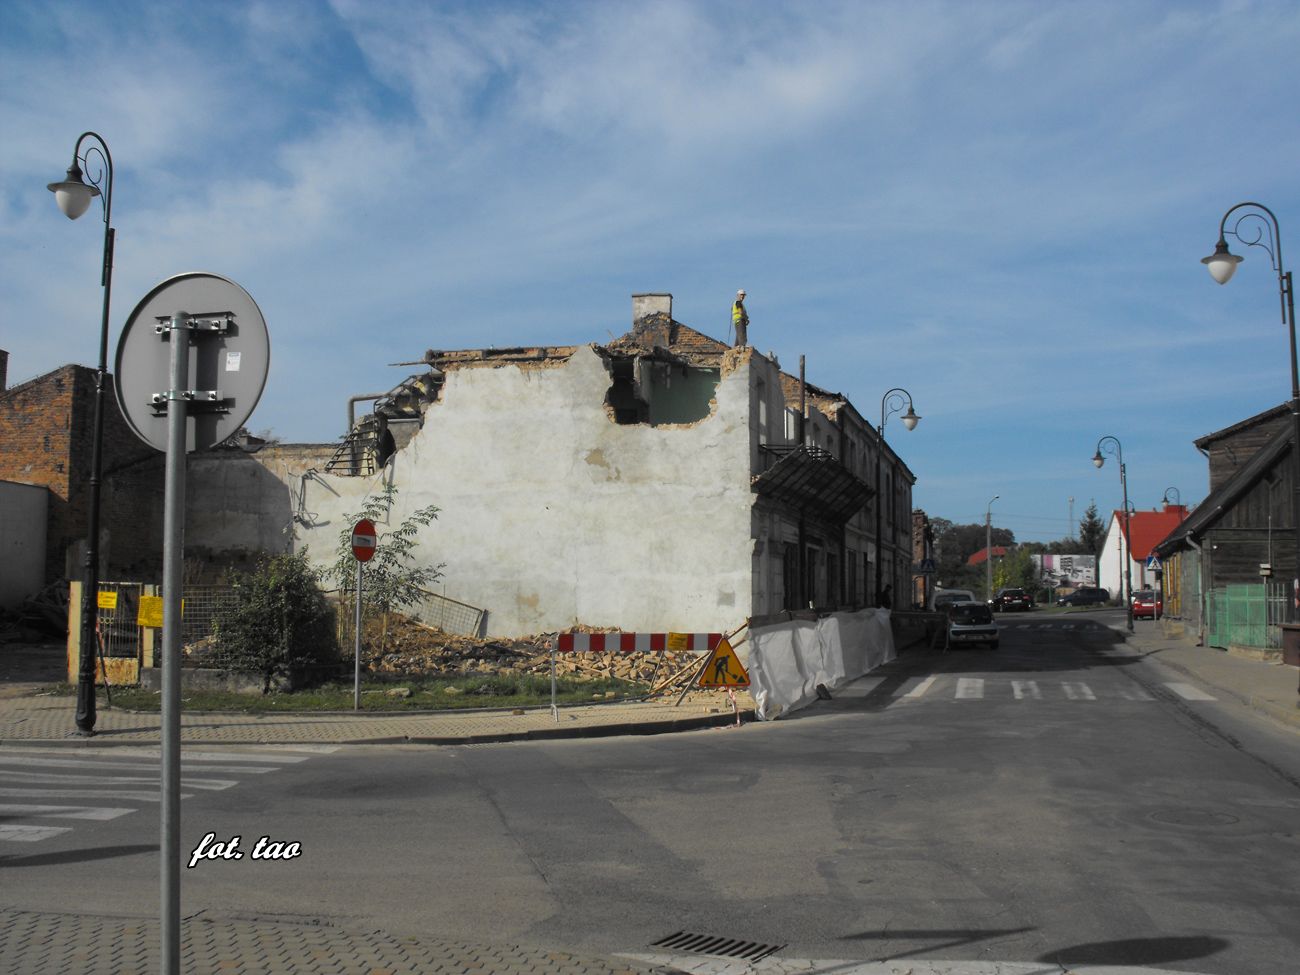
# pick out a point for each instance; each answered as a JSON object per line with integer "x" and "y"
{"x": 426, "y": 694}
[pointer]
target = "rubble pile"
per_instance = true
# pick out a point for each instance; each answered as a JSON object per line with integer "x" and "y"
{"x": 413, "y": 650}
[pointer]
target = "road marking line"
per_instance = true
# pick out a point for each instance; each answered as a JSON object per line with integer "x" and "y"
{"x": 1077, "y": 690}
{"x": 859, "y": 688}
{"x": 120, "y": 753}
{"x": 209, "y": 784}
{"x": 1026, "y": 688}
{"x": 922, "y": 687}
{"x": 32, "y": 760}
{"x": 101, "y": 813}
{"x": 1189, "y": 693}
{"x": 1135, "y": 694}
{"x": 86, "y": 794}
{"x": 30, "y": 834}
{"x": 970, "y": 688}
{"x": 206, "y": 756}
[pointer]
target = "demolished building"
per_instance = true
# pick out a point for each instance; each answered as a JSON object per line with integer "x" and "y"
{"x": 665, "y": 480}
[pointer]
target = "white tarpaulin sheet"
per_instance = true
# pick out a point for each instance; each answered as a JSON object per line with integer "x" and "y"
{"x": 788, "y": 660}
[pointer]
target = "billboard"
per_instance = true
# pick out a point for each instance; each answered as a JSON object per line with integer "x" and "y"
{"x": 1067, "y": 571}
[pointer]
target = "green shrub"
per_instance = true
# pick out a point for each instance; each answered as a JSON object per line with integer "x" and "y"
{"x": 279, "y": 625}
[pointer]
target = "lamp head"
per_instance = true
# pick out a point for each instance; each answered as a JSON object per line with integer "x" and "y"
{"x": 910, "y": 419}
{"x": 1222, "y": 264}
{"x": 73, "y": 194}
{"x": 1098, "y": 459}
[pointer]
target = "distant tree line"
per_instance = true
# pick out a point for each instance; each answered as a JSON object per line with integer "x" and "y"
{"x": 954, "y": 544}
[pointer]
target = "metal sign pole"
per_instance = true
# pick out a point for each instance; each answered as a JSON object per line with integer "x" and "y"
{"x": 555, "y": 711}
{"x": 238, "y": 363}
{"x": 356, "y": 681}
{"x": 173, "y": 564}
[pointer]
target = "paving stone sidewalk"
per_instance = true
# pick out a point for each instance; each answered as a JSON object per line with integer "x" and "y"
{"x": 44, "y": 943}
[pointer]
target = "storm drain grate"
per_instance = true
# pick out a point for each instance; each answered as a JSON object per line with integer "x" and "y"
{"x": 704, "y": 944}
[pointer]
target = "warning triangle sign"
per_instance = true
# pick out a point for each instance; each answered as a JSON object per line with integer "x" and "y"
{"x": 723, "y": 669}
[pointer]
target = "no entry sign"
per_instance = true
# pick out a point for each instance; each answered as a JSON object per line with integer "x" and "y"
{"x": 363, "y": 540}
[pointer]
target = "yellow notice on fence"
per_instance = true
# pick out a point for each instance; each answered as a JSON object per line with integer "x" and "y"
{"x": 150, "y": 612}
{"x": 108, "y": 600}
{"x": 678, "y": 642}
{"x": 723, "y": 669}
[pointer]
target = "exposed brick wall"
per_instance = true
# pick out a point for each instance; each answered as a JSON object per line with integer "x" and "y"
{"x": 46, "y": 433}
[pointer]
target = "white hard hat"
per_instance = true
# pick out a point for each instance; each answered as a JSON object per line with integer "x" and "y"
{"x": 740, "y": 293}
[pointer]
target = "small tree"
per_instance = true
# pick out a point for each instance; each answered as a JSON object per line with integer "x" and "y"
{"x": 1091, "y": 530}
{"x": 393, "y": 579}
{"x": 1015, "y": 570}
{"x": 278, "y": 626}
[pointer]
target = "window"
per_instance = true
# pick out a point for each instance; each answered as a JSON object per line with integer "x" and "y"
{"x": 762, "y": 412}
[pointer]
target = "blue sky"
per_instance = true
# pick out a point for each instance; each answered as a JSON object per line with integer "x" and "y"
{"x": 998, "y": 206}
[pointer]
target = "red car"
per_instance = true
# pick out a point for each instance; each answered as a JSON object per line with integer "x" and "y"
{"x": 1146, "y": 605}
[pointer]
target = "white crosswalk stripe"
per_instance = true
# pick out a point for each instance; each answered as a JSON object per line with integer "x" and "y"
{"x": 30, "y": 834}
{"x": 1189, "y": 693}
{"x": 62, "y": 812}
{"x": 939, "y": 686}
{"x": 103, "y": 784}
{"x": 922, "y": 687}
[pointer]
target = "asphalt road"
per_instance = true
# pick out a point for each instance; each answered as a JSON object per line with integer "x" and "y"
{"x": 1057, "y": 800}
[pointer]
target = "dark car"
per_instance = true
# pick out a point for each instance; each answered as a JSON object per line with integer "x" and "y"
{"x": 1007, "y": 599}
{"x": 1085, "y": 596}
{"x": 971, "y": 622}
{"x": 1146, "y": 605}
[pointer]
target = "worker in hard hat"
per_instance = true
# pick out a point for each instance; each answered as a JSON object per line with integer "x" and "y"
{"x": 740, "y": 319}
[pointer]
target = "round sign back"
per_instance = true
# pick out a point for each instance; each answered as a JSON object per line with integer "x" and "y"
{"x": 229, "y": 355}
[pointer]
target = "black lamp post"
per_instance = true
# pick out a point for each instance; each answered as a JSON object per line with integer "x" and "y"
{"x": 1262, "y": 230}
{"x": 891, "y": 403}
{"x": 1112, "y": 446}
{"x": 73, "y": 195}
{"x": 1178, "y": 498}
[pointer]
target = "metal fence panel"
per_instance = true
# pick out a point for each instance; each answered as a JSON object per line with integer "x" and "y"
{"x": 1246, "y": 615}
{"x": 448, "y": 615}
{"x": 117, "y": 624}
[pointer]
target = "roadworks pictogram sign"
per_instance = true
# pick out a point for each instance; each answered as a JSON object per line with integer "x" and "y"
{"x": 723, "y": 669}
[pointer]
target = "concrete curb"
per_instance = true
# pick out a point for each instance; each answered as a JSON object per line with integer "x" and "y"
{"x": 1273, "y": 705}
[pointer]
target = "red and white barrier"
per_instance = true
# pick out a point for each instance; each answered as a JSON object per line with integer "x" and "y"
{"x": 633, "y": 642}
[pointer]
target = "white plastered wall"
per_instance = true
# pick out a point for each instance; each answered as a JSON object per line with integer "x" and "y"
{"x": 552, "y": 515}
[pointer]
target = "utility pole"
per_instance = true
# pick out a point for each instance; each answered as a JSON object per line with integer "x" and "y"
{"x": 988, "y": 549}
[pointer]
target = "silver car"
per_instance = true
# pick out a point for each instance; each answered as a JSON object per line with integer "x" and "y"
{"x": 971, "y": 622}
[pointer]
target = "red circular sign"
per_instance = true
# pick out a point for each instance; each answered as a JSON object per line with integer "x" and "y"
{"x": 364, "y": 540}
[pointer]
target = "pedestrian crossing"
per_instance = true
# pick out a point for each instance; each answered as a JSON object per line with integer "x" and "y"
{"x": 47, "y": 793}
{"x": 952, "y": 687}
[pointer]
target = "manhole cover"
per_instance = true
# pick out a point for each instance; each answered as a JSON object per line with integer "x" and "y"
{"x": 1193, "y": 817}
{"x": 704, "y": 944}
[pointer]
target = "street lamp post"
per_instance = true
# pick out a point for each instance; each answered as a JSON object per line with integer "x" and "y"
{"x": 1262, "y": 230}
{"x": 73, "y": 196}
{"x": 988, "y": 549}
{"x": 1112, "y": 446}
{"x": 891, "y": 403}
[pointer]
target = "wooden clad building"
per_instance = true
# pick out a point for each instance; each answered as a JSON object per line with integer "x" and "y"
{"x": 1244, "y": 525}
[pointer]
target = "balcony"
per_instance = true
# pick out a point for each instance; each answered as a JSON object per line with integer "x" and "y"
{"x": 812, "y": 481}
